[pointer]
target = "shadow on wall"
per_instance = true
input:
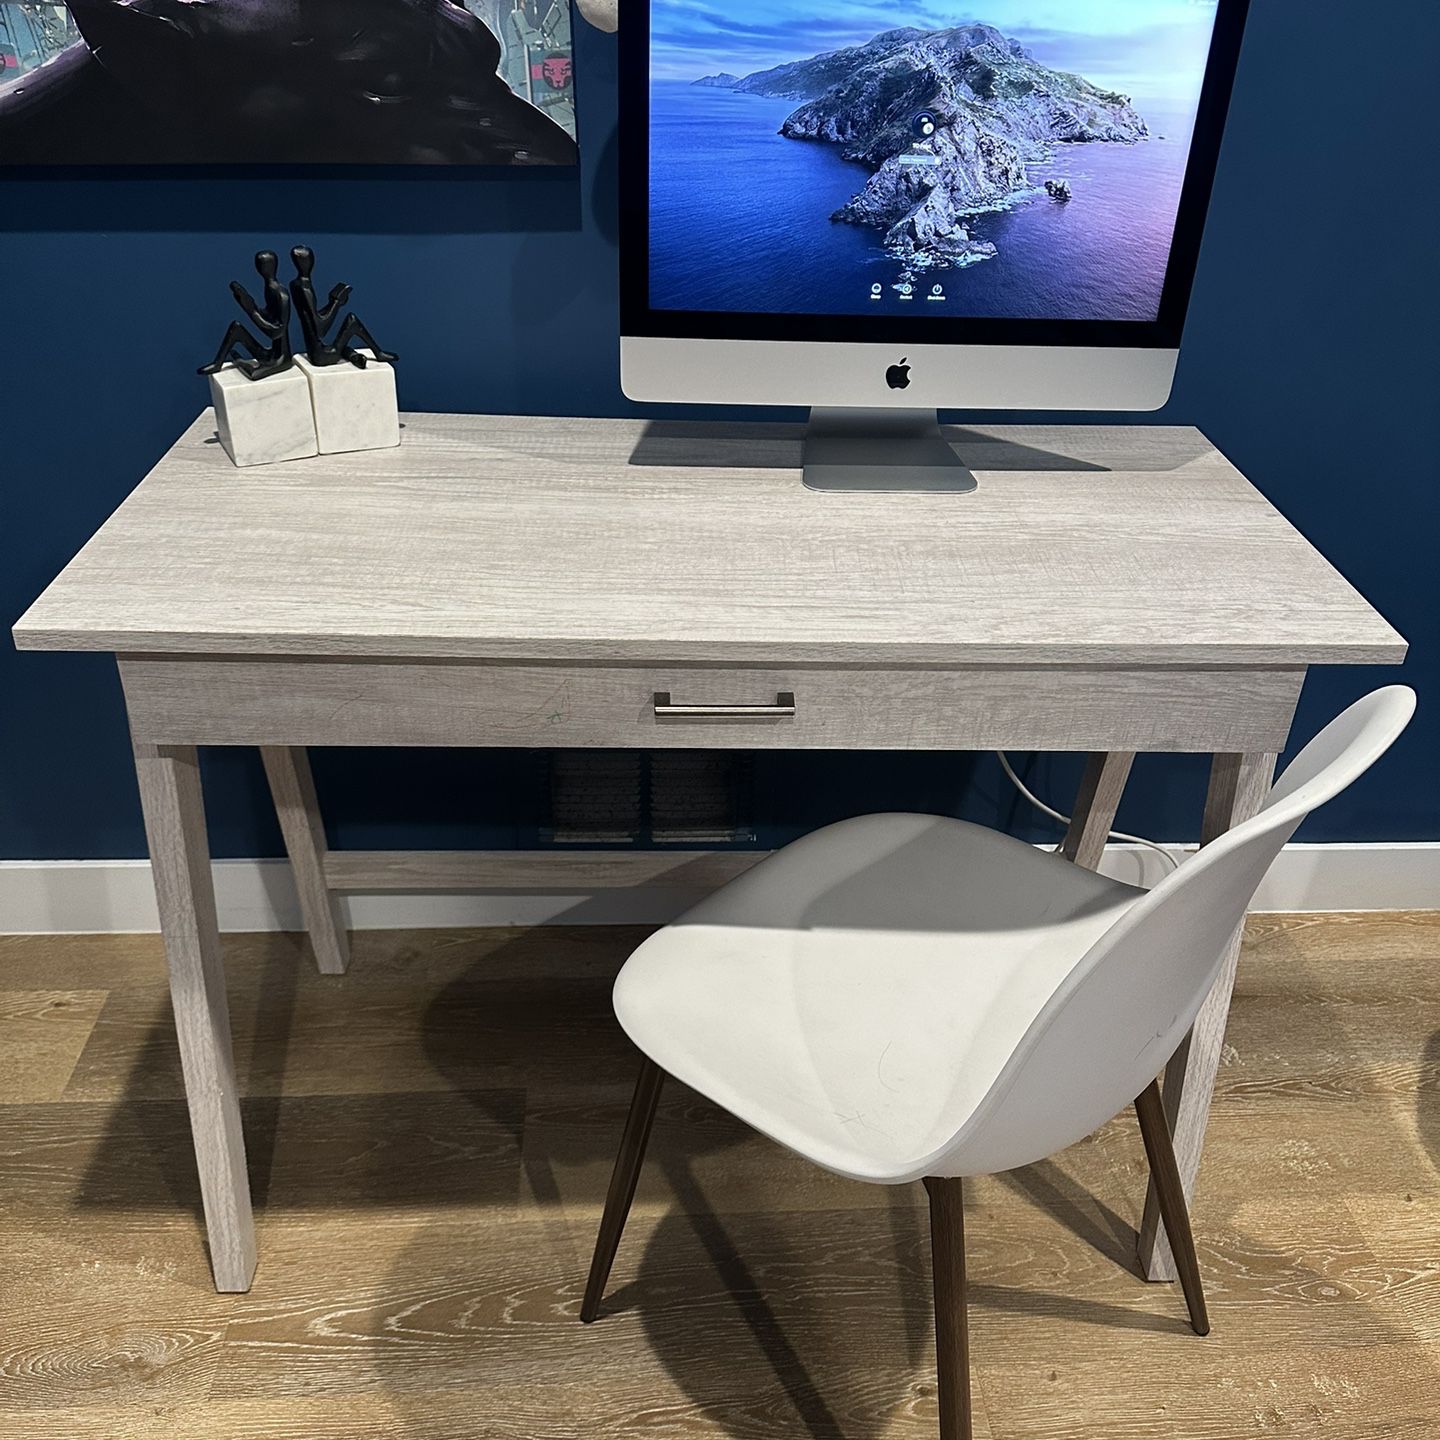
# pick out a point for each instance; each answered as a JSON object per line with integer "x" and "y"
{"x": 1427, "y": 1100}
{"x": 329, "y": 199}
{"x": 546, "y": 284}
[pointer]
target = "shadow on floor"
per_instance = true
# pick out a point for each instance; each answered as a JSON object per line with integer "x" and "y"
{"x": 828, "y": 1314}
{"x": 1427, "y": 1103}
{"x": 1082, "y": 1213}
{"x": 144, "y": 1159}
{"x": 813, "y": 1321}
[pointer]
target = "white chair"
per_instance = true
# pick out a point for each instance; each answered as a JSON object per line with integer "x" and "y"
{"x": 904, "y": 997}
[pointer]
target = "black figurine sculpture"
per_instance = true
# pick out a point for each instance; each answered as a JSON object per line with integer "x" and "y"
{"x": 272, "y": 320}
{"x": 316, "y": 319}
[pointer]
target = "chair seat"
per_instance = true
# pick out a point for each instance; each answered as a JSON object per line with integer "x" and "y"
{"x": 855, "y": 995}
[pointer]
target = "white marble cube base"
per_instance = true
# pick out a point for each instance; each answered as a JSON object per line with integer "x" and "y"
{"x": 262, "y": 421}
{"x": 354, "y": 409}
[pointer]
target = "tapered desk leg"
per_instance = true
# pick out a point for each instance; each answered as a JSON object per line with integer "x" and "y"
{"x": 288, "y": 770}
{"x": 180, "y": 859}
{"x": 1238, "y": 786}
{"x": 1093, "y": 817}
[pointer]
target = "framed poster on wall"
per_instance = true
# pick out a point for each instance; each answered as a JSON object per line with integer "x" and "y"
{"x": 274, "y": 82}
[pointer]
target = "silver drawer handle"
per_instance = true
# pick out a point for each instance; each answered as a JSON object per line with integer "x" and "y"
{"x": 782, "y": 709}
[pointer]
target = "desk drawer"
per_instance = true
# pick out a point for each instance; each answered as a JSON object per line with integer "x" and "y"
{"x": 366, "y": 702}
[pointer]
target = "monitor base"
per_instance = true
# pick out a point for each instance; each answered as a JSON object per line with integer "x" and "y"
{"x": 895, "y": 450}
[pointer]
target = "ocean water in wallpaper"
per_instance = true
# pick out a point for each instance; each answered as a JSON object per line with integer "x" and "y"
{"x": 903, "y": 158}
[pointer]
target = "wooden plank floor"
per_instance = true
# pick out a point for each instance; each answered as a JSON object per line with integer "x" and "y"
{"x": 430, "y": 1140}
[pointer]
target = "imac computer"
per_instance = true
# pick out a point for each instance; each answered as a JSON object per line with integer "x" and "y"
{"x": 879, "y": 208}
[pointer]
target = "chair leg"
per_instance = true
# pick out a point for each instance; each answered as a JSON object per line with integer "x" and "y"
{"x": 622, "y": 1184}
{"x": 952, "y": 1334}
{"x": 1171, "y": 1194}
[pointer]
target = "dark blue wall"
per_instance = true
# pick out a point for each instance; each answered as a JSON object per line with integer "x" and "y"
{"x": 1309, "y": 358}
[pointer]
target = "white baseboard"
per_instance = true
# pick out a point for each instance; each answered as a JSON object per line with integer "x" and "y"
{"x": 1380, "y": 876}
{"x": 69, "y": 897}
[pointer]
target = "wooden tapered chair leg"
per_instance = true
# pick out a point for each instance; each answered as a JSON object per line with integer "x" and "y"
{"x": 622, "y": 1184}
{"x": 952, "y": 1330}
{"x": 1170, "y": 1192}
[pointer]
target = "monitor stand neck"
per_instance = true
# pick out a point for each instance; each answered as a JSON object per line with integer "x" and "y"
{"x": 899, "y": 450}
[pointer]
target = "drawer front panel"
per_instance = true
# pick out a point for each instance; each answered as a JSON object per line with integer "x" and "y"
{"x": 337, "y": 702}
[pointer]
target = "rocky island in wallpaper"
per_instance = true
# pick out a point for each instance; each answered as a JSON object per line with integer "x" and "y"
{"x": 1044, "y": 142}
{"x": 995, "y": 108}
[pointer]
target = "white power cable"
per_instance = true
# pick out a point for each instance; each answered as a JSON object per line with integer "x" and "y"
{"x": 1040, "y": 805}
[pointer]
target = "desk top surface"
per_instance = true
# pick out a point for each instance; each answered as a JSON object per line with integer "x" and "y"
{"x": 597, "y": 540}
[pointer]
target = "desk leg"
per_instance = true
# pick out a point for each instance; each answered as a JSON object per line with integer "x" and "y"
{"x": 1238, "y": 786}
{"x": 180, "y": 859}
{"x": 1094, "y": 814}
{"x": 288, "y": 770}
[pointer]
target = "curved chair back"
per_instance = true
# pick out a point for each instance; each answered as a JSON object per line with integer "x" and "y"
{"x": 1122, "y": 1012}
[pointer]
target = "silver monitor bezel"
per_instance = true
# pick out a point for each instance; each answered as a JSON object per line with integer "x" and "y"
{"x": 954, "y": 361}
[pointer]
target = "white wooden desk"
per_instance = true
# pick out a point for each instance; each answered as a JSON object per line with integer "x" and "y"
{"x": 536, "y": 582}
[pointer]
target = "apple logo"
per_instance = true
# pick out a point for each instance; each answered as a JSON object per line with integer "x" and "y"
{"x": 897, "y": 377}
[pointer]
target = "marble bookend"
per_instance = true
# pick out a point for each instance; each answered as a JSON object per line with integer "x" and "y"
{"x": 354, "y": 409}
{"x": 262, "y": 421}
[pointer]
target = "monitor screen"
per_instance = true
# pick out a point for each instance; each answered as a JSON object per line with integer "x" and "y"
{"x": 1020, "y": 161}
